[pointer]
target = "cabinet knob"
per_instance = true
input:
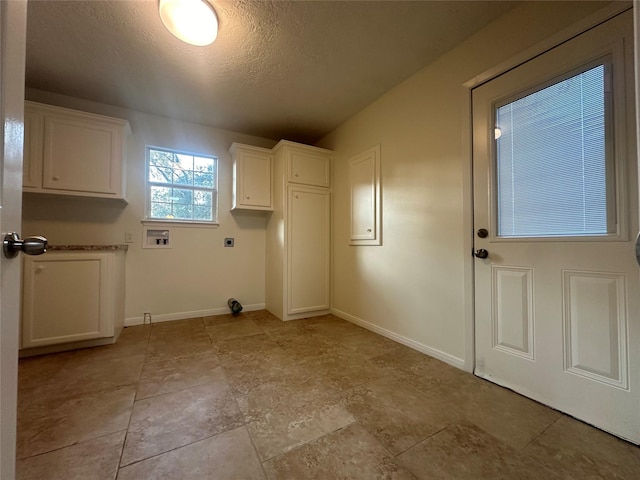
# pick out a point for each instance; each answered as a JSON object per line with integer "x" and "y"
{"x": 295, "y": 174}
{"x": 369, "y": 230}
{"x": 39, "y": 268}
{"x": 247, "y": 197}
{"x": 55, "y": 178}
{"x": 295, "y": 195}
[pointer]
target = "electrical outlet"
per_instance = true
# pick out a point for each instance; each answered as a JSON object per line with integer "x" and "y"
{"x": 128, "y": 237}
{"x": 228, "y": 242}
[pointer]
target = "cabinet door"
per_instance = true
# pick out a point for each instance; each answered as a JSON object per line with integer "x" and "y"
{"x": 65, "y": 298}
{"x": 32, "y": 164}
{"x": 308, "y": 167}
{"x": 308, "y": 228}
{"x": 364, "y": 193}
{"x": 82, "y": 155}
{"x": 254, "y": 180}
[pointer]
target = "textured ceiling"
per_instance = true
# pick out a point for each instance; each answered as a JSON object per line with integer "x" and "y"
{"x": 278, "y": 69}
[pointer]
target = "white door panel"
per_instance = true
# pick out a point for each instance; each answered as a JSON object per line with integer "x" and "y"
{"x": 557, "y": 315}
{"x": 13, "y": 19}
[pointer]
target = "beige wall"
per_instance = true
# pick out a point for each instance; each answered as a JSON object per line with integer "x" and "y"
{"x": 413, "y": 286}
{"x": 198, "y": 274}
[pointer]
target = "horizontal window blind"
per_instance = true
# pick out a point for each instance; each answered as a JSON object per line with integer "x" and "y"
{"x": 551, "y": 160}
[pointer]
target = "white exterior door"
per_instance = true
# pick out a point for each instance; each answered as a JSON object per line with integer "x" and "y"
{"x": 555, "y": 189}
{"x": 13, "y": 17}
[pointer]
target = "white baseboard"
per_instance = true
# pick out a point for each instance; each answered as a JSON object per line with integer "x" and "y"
{"x": 433, "y": 352}
{"x": 168, "y": 317}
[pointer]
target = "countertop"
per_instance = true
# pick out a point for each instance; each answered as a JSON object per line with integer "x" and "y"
{"x": 92, "y": 248}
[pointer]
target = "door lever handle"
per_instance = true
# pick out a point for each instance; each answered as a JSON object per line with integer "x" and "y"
{"x": 12, "y": 245}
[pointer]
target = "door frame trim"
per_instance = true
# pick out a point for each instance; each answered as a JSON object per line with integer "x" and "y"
{"x": 466, "y": 89}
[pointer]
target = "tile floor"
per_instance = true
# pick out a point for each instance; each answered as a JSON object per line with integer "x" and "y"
{"x": 251, "y": 397}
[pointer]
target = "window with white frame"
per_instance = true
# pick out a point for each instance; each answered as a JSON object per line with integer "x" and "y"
{"x": 554, "y": 154}
{"x": 181, "y": 186}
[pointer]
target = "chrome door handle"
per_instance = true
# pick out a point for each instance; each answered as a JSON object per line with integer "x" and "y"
{"x": 481, "y": 253}
{"x": 12, "y": 245}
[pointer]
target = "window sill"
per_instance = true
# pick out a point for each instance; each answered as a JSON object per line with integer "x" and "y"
{"x": 180, "y": 223}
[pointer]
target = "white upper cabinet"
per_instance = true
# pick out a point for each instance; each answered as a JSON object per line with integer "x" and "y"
{"x": 32, "y": 165}
{"x": 306, "y": 165}
{"x": 252, "y": 177}
{"x": 73, "y": 153}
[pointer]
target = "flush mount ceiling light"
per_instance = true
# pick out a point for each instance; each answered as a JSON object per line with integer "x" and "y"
{"x": 192, "y": 21}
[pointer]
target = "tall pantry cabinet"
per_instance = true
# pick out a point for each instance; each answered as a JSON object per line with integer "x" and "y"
{"x": 298, "y": 233}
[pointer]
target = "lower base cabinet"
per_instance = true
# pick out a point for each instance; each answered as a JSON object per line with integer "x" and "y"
{"x": 72, "y": 298}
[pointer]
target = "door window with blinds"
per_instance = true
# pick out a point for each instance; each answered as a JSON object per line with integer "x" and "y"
{"x": 554, "y": 159}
